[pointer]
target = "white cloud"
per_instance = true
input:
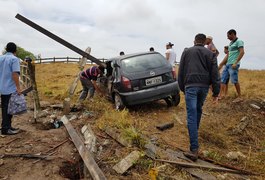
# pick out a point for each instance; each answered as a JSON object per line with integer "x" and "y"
{"x": 133, "y": 25}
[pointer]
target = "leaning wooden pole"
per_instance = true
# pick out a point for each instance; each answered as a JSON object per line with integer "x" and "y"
{"x": 59, "y": 40}
{"x": 87, "y": 157}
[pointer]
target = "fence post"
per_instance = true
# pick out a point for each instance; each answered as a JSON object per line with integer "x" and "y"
{"x": 31, "y": 70}
{"x": 54, "y": 59}
{"x": 67, "y": 59}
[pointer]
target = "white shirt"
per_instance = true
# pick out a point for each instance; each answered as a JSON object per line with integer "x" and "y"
{"x": 172, "y": 56}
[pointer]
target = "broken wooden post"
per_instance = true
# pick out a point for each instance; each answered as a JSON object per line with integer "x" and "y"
{"x": 127, "y": 162}
{"x": 82, "y": 63}
{"x": 66, "y": 106}
{"x": 87, "y": 157}
{"x": 31, "y": 69}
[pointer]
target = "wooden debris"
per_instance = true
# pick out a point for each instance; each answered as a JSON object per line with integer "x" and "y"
{"x": 82, "y": 63}
{"x": 255, "y": 106}
{"x": 127, "y": 162}
{"x": 56, "y": 106}
{"x": 58, "y": 145}
{"x": 228, "y": 166}
{"x": 193, "y": 165}
{"x": 48, "y": 156}
{"x": 242, "y": 125}
{"x": 34, "y": 156}
{"x": 90, "y": 138}
{"x": 87, "y": 157}
{"x": 176, "y": 155}
{"x": 165, "y": 126}
{"x": 115, "y": 134}
{"x": 66, "y": 106}
{"x": 12, "y": 140}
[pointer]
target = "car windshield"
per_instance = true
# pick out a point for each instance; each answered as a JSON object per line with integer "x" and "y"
{"x": 143, "y": 63}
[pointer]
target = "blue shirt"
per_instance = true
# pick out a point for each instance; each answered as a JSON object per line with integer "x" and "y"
{"x": 8, "y": 64}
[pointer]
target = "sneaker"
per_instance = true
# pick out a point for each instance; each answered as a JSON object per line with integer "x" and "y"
{"x": 9, "y": 132}
{"x": 192, "y": 155}
{"x": 14, "y": 129}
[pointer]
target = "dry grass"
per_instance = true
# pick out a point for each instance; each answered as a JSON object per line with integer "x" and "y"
{"x": 215, "y": 132}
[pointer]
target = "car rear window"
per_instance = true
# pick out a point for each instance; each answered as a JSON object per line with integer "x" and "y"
{"x": 143, "y": 63}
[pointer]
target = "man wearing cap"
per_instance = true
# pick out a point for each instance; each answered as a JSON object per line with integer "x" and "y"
{"x": 170, "y": 54}
{"x": 211, "y": 46}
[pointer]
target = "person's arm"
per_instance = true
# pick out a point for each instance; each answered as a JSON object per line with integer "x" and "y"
{"x": 215, "y": 78}
{"x": 15, "y": 76}
{"x": 241, "y": 54}
{"x": 167, "y": 55}
{"x": 224, "y": 61}
{"x": 181, "y": 72}
{"x": 96, "y": 87}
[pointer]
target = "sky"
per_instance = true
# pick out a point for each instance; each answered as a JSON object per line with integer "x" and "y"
{"x": 109, "y": 27}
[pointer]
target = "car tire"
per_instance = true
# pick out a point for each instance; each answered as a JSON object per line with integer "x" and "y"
{"x": 168, "y": 101}
{"x": 119, "y": 105}
{"x": 175, "y": 99}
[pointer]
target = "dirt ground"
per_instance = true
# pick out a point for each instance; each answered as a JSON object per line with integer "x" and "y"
{"x": 36, "y": 138}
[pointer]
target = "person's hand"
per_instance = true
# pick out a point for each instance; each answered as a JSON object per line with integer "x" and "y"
{"x": 234, "y": 66}
{"x": 19, "y": 91}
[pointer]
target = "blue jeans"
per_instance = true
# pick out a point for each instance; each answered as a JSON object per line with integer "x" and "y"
{"x": 194, "y": 97}
{"x": 88, "y": 87}
{"x": 229, "y": 71}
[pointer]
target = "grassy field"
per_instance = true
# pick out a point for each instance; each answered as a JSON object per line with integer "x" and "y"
{"x": 217, "y": 136}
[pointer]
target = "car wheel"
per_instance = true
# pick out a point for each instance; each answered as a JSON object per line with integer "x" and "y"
{"x": 168, "y": 101}
{"x": 175, "y": 100}
{"x": 119, "y": 105}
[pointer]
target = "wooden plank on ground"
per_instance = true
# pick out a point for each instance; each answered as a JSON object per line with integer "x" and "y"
{"x": 156, "y": 152}
{"x": 176, "y": 155}
{"x": 115, "y": 134}
{"x": 90, "y": 163}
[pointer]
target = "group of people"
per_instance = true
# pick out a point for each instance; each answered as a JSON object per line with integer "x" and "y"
{"x": 198, "y": 70}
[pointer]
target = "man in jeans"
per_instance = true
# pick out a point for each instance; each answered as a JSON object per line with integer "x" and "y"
{"x": 232, "y": 60}
{"x": 197, "y": 71}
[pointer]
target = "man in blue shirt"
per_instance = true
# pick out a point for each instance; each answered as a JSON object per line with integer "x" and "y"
{"x": 9, "y": 83}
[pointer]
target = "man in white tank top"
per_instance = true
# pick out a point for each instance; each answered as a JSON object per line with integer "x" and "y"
{"x": 170, "y": 54}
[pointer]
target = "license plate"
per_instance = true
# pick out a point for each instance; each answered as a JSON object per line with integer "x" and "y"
{"x": 152, "y": 81}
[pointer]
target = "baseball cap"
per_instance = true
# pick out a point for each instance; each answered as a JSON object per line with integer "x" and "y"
{"x": 169, "y": 44}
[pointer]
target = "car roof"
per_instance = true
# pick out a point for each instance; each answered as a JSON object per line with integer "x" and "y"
{"x": 131, "y": 55}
